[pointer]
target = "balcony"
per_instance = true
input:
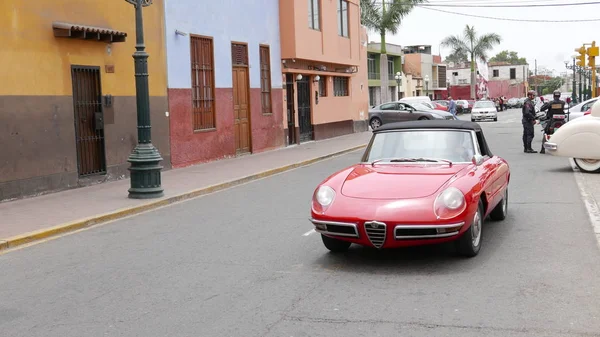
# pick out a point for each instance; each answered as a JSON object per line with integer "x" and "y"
{"x": 374, "y": 76}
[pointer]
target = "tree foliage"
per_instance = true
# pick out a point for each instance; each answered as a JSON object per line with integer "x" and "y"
{"x": 511, "y": 57}
{"x": 457, "y": 57}
{"x": 475, "y": 46}
{"x": 385, "y": 16}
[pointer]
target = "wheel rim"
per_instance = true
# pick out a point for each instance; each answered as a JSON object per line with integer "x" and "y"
{"x": 476, "y": 229}
{"x": 588, "y": 164}
{"x": 375, "y": 123}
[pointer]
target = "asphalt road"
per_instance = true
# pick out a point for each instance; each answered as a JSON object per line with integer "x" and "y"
{"x": 237, "y": 263}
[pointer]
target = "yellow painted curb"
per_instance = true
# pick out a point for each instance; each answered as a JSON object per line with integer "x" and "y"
{"x": 42, "y": 234}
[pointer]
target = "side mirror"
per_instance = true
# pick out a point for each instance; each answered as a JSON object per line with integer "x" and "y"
{"x": 477, "y": 160}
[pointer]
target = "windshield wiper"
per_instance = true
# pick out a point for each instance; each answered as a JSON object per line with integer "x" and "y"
{"x": 412, "y": 160}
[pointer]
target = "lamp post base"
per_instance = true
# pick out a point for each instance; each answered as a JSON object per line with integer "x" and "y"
{"x": 145, "y": 172}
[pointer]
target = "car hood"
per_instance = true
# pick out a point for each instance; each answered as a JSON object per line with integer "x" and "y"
{"x": 484, "y": 109}
{"x": 405, "y": 181}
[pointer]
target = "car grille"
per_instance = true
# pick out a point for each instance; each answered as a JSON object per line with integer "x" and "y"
{"x": 376, "y": 232}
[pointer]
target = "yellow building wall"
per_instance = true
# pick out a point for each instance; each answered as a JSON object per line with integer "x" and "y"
{"x": 34, "y": 62}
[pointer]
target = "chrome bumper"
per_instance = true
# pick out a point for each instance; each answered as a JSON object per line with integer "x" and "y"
{"x": 550, "y": 146}
{"x": 411, "y": 232}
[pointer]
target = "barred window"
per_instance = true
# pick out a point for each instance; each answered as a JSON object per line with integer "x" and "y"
{"x": 322, "y": 86}
{"x": 340, "y": 86}
{"x": 265, "y": 80}
{"x": 203, "y": 84}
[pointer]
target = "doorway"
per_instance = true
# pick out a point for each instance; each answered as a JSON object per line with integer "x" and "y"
{"x": 241, "y": 98}
{"x": 304, "y": 113}
{"x": 291, "y": 115}
{"x": 89, "y": 120}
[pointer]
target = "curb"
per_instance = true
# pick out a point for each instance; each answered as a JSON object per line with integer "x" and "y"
{"x": 46, "y": 233}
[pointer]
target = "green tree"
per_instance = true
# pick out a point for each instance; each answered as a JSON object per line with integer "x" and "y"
{"x": 509, "y": 56}
{"x": 385, "y": 16}
{"x": 457, "y": 57}
{"x": 473, "y": 45}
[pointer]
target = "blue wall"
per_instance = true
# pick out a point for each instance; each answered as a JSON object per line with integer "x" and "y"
{"x": 252, "y": 21}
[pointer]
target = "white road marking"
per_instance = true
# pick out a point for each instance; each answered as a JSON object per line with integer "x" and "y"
{"x": 588, "y": 199}
{"x": 312, "y": 231}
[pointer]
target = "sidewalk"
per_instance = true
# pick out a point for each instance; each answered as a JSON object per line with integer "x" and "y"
{"x": 31, "y": 219}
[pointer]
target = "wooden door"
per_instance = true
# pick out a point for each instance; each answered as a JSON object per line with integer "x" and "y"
{"x": 89, "y": 120}
{"x": 304, "y": 113}
{"x": 241, "y": 110}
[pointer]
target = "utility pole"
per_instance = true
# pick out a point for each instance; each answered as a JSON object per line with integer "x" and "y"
{"x": 536, "y": 79}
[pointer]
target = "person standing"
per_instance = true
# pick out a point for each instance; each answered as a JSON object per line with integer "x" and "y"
{"x": 452, "y": 106}
{"x": 528, "y": 122}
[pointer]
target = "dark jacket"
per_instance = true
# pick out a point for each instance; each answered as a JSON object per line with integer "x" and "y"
{"x": 556, "y": 106}
{"x": 528, "y": 111}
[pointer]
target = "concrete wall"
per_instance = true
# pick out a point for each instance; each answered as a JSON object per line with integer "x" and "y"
{"x": 254, "y": 23}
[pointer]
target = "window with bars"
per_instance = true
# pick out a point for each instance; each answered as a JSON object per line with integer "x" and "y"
{"x": 265, "y": 80}
{"x": 322, "y": 86}
{"x": 314, "y": 17}
{"x": 342, "y": 14}
{"x": 391, "y": 72}
{"x": 340, "y": 86}
{"x": 203, "y": 84}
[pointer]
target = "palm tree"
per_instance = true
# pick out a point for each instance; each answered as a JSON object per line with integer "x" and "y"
{"x": 475, "y": 46}
{"x": 382, "y": 17}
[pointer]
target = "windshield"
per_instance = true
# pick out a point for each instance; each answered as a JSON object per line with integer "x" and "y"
{"x": 420, "y": 106}
{"x": 484, "y": 104}
{"x": 452, "y": 145}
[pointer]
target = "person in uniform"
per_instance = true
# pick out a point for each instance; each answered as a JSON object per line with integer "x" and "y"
{"x": 556, "y": 106}
{"x": 528, "y": 122}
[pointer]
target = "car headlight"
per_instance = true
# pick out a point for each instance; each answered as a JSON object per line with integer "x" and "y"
{"x": 450, "y": 203}
{"x": 325, "y": 195}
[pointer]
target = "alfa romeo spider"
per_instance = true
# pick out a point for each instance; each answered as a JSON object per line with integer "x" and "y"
{"x": 418, "y": 183}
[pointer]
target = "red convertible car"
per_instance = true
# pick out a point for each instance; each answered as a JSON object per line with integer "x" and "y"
{"x": 419, "y": 182}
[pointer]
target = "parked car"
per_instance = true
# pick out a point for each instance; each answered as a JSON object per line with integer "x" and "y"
{"x": 513, "y": 103}
{"x": 579, "y": 139}
{"x": 418, "y": 183}
{"x": 483, "y": 110}
{"x": 401, "y": 112}
{"x": 442, "y": 102}
{"x": 578, "y": 110}
{"x": 462, "y": 106}
{"x": 439, "y": 106}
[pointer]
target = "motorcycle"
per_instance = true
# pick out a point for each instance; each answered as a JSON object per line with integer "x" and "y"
{"x": 550, "y": 126}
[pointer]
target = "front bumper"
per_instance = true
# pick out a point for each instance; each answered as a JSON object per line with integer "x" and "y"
{"x": 390, "y": 235}
{"x": 481, "y": 116}
{"x": 550, "y": 146}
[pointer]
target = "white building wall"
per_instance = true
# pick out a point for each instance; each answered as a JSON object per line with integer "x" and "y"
{"x": 463, "y": 75}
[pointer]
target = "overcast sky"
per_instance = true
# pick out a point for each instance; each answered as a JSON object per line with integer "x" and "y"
{"x": 551, "y": 43}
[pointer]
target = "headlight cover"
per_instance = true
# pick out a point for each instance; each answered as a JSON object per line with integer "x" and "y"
{"x": 325, "y": 195}
{"x": 450, "y": 203}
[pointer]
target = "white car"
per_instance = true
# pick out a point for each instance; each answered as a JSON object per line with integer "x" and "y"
{"x": 579, "y": 140}
{"x": 578, "y": 110}
{"x": 484, "y": 109}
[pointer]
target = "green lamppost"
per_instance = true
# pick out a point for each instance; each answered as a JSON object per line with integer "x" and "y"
{"x": 145, "y": 158}
{"x": 573, "y": 67}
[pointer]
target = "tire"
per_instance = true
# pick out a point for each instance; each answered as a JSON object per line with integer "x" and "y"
{"x": 467, "y": 245}
{"x": 472, "y": 120}
{"x": 423, "y": 118}
{"x": 496, "y": 119}
{"x": 335, "y": 245}
{"x": 375, "y": 123}
{"x": 587, "y": 165}
{"x": 501, "y": 210}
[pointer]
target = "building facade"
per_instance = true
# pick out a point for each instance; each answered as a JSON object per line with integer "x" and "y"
{"x": 67, "y": 103}
{"x": 224, "y": 78}
{"x": 394, "y": 60}
{"x": 429, "y": 69}
{"x": 324, "y": 68}
{"x": 504, "y": 80}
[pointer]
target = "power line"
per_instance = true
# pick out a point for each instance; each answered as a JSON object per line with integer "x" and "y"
{"x": 513, "y": 6}
{"x": 507, "y": 19}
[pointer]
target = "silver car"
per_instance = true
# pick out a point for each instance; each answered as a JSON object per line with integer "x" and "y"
{"x": 484, "y": 109}
{"x": 401, "y": 112}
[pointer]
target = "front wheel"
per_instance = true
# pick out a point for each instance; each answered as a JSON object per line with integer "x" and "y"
{"x": 469, "y": 243}
{"x": 375, "y": 123}
{"x": 335, "y": 245}
{"x": 423, "y": 118}
{"x": 588, "y": 165}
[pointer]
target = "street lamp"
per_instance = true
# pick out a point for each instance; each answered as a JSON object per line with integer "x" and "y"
{"x": 145, "y": 158}
{"x": 426, "y": 85}
{"x": 398, "y": 78}
{"x": 573, "y": 67}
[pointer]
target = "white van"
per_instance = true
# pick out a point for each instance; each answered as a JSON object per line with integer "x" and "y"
{"x": 416, "y": 99}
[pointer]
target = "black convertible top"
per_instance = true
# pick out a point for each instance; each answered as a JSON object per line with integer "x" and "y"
{"x": 430, "y": 124}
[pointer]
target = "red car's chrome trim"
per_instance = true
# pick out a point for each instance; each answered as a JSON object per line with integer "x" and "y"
{"x": 329, "y": 227}
{"x": 440, "y": 231}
